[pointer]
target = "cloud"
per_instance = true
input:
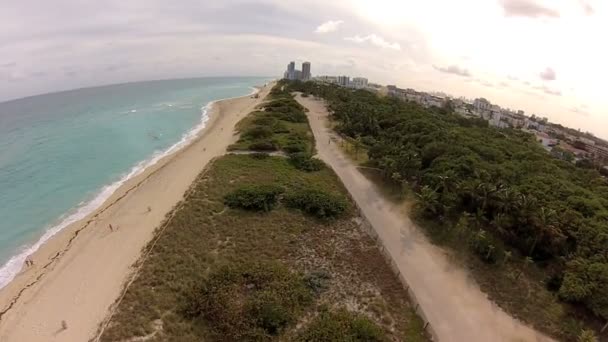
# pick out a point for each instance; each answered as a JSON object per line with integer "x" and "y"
{"x": 8, "y": 65}
{"x": 586, "y": 7}
{"x": 38, "y": 74}
{"x": 548, "y": 75}
{"x": 582, "y": 110}
{"x": 329, "y": 26}
{"x": 454, "y": 69}
{"x": 374, "y": 40}
{"x": 527, "y": 8}
{"x": 485, "y": 83}
{"x": 549, "y": 91}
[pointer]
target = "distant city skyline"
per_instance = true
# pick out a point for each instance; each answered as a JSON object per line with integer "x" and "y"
{"x": 291, "y": 73}
{"x": 538, "y": 55}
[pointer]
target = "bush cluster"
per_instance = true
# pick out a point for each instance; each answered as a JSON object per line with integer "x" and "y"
{"x": 317, "y": 203}
{"x": 254, "y": 197}
{"x": 485, "y": 247}
{"x": 249, "y": 301}
{"x": 258, "y": 132}
{"x": 341, "y": 325}
{"x": 259, "y": 155}
{"x": 263, "y": 146}
{"x": 304, "y": 161}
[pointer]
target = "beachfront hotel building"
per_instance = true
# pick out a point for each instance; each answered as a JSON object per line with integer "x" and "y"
{"x": 293, "y": 74}
{"x": 306, "y": 71}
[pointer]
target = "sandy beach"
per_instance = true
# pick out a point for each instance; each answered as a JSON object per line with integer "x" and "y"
{"x": 79, "y": 273}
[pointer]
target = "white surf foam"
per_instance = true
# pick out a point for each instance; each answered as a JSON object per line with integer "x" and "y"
{"x": 14, "y": 265}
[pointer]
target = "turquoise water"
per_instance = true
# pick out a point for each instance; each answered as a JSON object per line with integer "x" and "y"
{"x": 62, "y": 154}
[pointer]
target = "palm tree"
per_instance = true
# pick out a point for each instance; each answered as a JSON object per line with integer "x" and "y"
{"x": 358, "y": 145}
{"x": 545, "y": 226}
{"x": 491, "y": 249}
{"x": 507, "y": 256}
{"x": 587, "y": 336}
{"x": 429, "y": 200}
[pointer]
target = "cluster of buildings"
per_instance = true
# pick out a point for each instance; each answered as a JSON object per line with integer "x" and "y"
{"x": 293, "y": 74}
{"x": 554, "y": 138}
{"x": 559, "y": 141}
{"x": 346, "y": 81}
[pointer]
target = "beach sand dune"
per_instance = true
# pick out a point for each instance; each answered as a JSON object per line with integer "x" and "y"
{"x": 79, "y": 273}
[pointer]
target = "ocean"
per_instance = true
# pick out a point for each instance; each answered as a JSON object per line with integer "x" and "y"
{"x": 63, "y": 154}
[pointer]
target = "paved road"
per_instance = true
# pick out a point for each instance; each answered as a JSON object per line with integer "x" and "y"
{"x": 453, "y": 304}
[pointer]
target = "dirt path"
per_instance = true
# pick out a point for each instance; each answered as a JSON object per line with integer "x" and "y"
{"x": 454, "y": 305}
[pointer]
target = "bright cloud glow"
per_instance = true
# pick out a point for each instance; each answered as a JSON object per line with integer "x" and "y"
{"x": 329, "y": 26}
{"x": 374, "y": 40}
{"x": 431, "y": 45}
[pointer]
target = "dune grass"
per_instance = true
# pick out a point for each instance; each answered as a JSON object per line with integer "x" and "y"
{"x": 331, "y": 263}
{"x": 280, "y": 124}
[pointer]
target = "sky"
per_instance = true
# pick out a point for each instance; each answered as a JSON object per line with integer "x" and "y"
{"x": 548, "y": 58}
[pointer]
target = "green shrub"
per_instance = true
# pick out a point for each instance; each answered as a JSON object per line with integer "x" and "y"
{"x": 254, "y": 197}
{"x": 264, "y": 121}
{"x": 279, "y": 127}
{"x": 304, "y": 161}
{"x": 263, "y": 146}
{"x": 249, "y": 301}
{"x": 295, "y": 147}
{"x": 317, "y": 281}
{"x": 316, "y": 203}
{"x": 259, "y": 155}
{"x": 295, "y": 116}
{"x": 341, "y": 325}
{"x": 485, "y": 247}
{"x": 258, "y": 132}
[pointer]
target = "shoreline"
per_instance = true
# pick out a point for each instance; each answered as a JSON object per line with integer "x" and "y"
{"x": 15, "y": 265}
{"x": 73, "y": 258}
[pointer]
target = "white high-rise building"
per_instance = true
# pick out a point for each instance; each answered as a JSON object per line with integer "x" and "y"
{"x": 343, "y": 81}
{"x": 359, "y": 82}
{"x": 306, "y": 71}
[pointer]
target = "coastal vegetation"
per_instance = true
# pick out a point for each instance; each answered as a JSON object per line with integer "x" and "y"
{"x": 279, "y": 125}
{"x": 261, "y": 250}
{"x": 532, "y": 228}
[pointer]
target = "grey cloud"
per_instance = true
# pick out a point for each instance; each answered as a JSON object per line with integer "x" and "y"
{"x": 548, "y": 74}
{"x": 38, "y": 74}
{"x": 547, "y": 90}
{"x": 486, "y": 83}
{"x": 453, "y": 69}
{"x": 512, "y": 78}
{"x": 527, "y": 8}
{"x": 115, "y": 67}
{"x": 162, "y": 39}
{"x": 582, "y": 110}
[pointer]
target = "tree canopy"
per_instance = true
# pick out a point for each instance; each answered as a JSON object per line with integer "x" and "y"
{"x": 513, "y": 190}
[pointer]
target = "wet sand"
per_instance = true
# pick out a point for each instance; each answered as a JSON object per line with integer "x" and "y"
{"x": 79, "y": 273}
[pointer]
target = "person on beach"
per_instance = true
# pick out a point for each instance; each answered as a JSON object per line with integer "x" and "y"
{"x": 111, "y": 228}
{"x": 149, "y": 209}
{"x": 29, "y": 262}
